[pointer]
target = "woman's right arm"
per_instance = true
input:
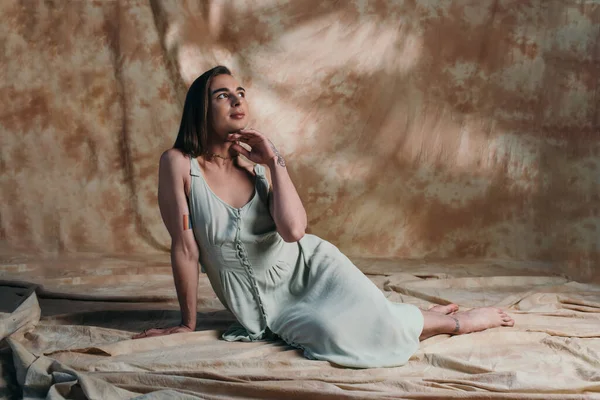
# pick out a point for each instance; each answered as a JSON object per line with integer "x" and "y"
{"x": 173, "y": 167}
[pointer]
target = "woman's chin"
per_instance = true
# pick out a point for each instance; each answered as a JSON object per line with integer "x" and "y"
{"x": 235, "y": 128}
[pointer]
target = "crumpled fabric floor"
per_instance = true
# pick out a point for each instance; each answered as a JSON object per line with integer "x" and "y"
{"x": 66, "y": 334}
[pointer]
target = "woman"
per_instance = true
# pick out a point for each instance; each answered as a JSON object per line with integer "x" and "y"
{"x": 246, "y": 225}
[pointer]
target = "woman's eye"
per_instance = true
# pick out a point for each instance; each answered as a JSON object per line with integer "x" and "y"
{"x": 242, "y": 94}
{"x": 222, "y": 94}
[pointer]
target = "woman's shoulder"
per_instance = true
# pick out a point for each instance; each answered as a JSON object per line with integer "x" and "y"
{"x": 174, "y": 160}
{"x": 173, "y": 155}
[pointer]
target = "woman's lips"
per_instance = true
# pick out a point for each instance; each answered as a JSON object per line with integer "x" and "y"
{"x": 238, "y": 116}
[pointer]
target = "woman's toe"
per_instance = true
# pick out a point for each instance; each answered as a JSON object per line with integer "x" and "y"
{"x": 446, "y": 309}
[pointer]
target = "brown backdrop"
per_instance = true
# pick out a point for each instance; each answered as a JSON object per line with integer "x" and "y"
{"x": 411, "y": 129}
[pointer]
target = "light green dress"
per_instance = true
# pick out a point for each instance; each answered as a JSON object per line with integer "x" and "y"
{"x": 307, "y": 293}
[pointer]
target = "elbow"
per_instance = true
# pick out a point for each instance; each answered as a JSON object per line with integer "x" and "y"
{"x": 191, "y": 255}
{"x": 191, "y": 252}
{"x": 185, "y": 251}
{"x": 294, "y": 235}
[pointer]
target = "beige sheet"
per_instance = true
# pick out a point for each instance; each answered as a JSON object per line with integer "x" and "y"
{"x": 81, "y": 348}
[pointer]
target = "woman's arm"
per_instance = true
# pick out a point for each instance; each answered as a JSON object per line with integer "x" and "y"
{"x": 184, "y": 249}
{"x": 286, "y": 207}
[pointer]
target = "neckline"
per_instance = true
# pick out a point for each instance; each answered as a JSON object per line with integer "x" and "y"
{"x": 221, "y": 200}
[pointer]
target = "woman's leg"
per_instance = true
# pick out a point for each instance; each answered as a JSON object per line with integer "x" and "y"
{"x": 477, "y": 319}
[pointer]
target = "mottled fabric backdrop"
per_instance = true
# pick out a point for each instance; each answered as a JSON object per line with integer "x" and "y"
{"x": 412, "y": 129}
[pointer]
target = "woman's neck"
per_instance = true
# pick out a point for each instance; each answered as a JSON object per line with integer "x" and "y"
{"x": 213, "y": 162}
{"x": 218, "y": 154}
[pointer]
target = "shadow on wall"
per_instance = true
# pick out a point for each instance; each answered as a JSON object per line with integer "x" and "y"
{"x": 446, "y": 130}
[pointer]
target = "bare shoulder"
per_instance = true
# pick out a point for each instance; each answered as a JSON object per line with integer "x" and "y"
{"x": 175, "y": 161}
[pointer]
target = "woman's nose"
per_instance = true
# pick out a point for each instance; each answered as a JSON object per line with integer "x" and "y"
{"x": 236, "y": 101}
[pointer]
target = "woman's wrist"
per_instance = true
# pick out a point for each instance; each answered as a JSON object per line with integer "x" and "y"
{"x": 276, "y": 160}
{"x": 189, "y": 325}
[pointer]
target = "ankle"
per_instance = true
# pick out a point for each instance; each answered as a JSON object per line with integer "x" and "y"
{"x": 458, "y": 328}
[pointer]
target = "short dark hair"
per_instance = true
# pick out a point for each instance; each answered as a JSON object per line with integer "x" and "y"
{"x": 193, "y": 130}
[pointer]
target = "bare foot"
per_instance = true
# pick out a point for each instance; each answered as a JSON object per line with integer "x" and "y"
{"x": 447, "y": 309}
{"x": 479, "y": 319}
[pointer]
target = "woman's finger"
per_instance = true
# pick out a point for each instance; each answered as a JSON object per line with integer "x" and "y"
{"x": 252, "y": 133}
{"x": 236, "y": 136}
{"x": 250, "y": 130}
{"x": 144, "y": 334}
{"x": 241, "y": 150}
{"x": 160, "y": 332}
{"x": 249, "y": 140}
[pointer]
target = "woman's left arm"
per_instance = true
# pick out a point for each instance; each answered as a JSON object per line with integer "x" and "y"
{"x": 285, "y": 206}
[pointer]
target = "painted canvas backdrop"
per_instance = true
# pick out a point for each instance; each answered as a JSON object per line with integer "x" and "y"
{"x": 413, "y": 129}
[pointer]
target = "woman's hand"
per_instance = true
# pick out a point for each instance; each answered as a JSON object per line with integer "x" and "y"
{"x": 261, "y": 148}
{"x": 163, "y": 331}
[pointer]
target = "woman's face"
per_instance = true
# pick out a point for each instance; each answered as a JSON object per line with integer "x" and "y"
{"x": 228, "y": 108}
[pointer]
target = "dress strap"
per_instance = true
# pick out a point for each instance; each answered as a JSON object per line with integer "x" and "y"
{"x": 259, "y": 170}
{"x": 262, "y": 183}
{"x": 194, "y": 167}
